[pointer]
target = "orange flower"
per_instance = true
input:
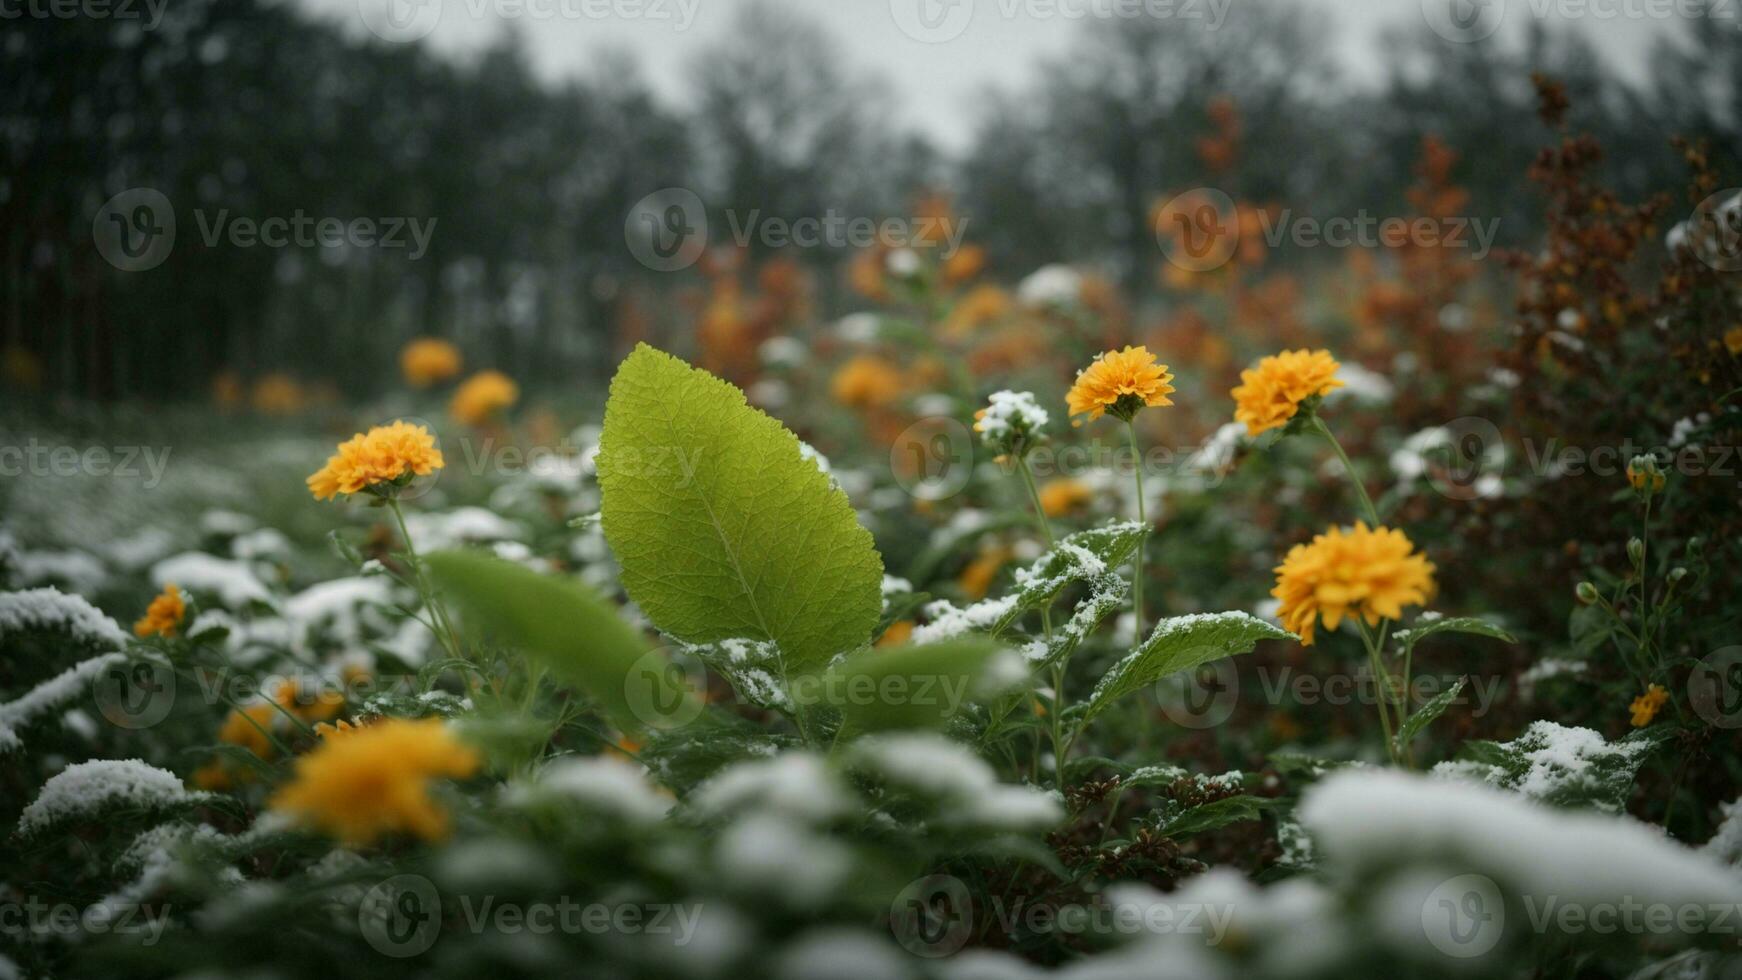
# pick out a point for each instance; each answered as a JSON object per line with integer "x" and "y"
{"x": 429, "y": 360}
{"x": 976, "y": 579}
{"x": 380, "y": 461}
{"x": 278, "y": 394}
{"x": 163, "y": 615}
{"x": 1646, "y": 706}
{"x": 1272, "y": 393}
{"x": 982, "y": 305}
{"x": 866, "y": 381}
{"x": 1120, "y": 383}
{"x": 1733, "y": 341}
{"x": 1370, "y": 573}
{"x": 964, "y": 264}
{"x": 1061, "y": 497}
{"x": 482, "y": 397}
{"x": 899, "y": 632}
{"x": 375, "y": 781}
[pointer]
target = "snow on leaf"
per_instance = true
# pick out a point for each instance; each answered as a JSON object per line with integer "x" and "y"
{"x": 86, "y": 790}
{"x": 1182, "y": 643}
{"x": 49, "y": 609}
{"x": 1561, "y": 766}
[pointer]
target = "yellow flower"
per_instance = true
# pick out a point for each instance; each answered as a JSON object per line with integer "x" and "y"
{"x": 1120, "y": 382}
{"x": 1371, "y": 573}
{"x": 899, "y": 632}
{"x": 336, "y": 729}
{"x": 163, "y": 615}
{"x": 1645, "y": 706}
{"x": 964, "y": 264}
{"x": 1644, "y": 475}
{"x": 278, "y": 394}
{"x": 866, "y": 381}
{"x": 429, "y": 360}
{"x": 248, "y": 728}
{"x": 1061, "y": 497}
{"x": 375, "y": 781}
{"x": 1270, "y": 394}
{"x": 1733, "y": 340}
{"x": 976, "y": 579}
{"x": 482, "y": 396}
{"x": 981, "y": 306}
{"x": 385, "y": 457}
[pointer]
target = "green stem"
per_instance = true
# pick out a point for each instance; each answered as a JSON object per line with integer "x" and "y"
{"x": 1355, "y": 478}
{"x": 437, "y": 614}
{"x": 1045, "y": 530}
{"x": 1380, "y": 679}
{"x": 1142, "y": 518}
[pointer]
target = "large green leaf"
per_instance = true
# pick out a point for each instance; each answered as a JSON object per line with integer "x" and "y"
{"x": 563, "y": 625}
{"x": 723, "y": 529}
{"x": 920, "y": 686}
{"x": 1182, "y": 643}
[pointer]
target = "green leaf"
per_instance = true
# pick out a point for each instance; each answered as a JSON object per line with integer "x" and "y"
{"x": 722, "y": 527}
{"x": 1561, "y": 766}
{"x": 1085, "y": 556}
{"x": 904, "y": 687}
{"x": 1408, "y": 638}
{"x": 1221, "y": 813}
{"x": 754, "y": 668}
{"x": 565, "y": 626}
{"x": 1425, "y": 715}
{"x": 1182, "y": 643}
{"x": 1589, "y": 628}
{"x": 1108, "y": 594}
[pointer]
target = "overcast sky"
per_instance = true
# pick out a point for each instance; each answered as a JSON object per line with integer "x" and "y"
{"x": 937, "y": 54}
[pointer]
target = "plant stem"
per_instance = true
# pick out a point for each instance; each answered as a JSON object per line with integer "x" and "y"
{"x": 1380, "y": 678}
{"x": 1045, "y": 530}
{"x": 437, "y": 613}
{"x": 1355, "y": 478}
{"x": 1137, "y": 556}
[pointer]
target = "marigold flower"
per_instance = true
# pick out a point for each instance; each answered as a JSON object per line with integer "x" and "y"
{"x": 1644, "y": 475}
{"x": 1120, "y": 382}
{"x": 379, "y": 461}
{"x": 1370, "y": 573}
{"x": 1271, "y": 394}
{"x": 278, "y": 394}
{"x": 866, "y": 381}
{"x": 899, "y": 632}
{"x": 976, "y": 579}
{"x": 163, "y": 615}
{"x": 429, "y": 360}
{"x": 1061, "y": 497}
{"x": 1733, "y": 341}
{"x": 981, "y": 306}
{"x": 964, "y": 264}
{"x": 482, "y": 397}
{"x": 1646, "y": 706}
{"x": 375, "y": 781}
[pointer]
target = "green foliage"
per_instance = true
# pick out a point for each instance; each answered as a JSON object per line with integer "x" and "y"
{"x": 920, "y": 686}
{"x": 1425, "y": 715}
{"x": 723, "y": 529}
{"x": 560, "y": 623}
{"x": 1407, "y": 639}
{"x": 1565, "y": 767}
{"x": 1180, "y": 644}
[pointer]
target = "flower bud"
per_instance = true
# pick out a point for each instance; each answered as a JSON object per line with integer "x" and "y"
{"x": 1636, "y": 552}
{"x": 1587, "y": 593}
{"x": 1676, "y": 574}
